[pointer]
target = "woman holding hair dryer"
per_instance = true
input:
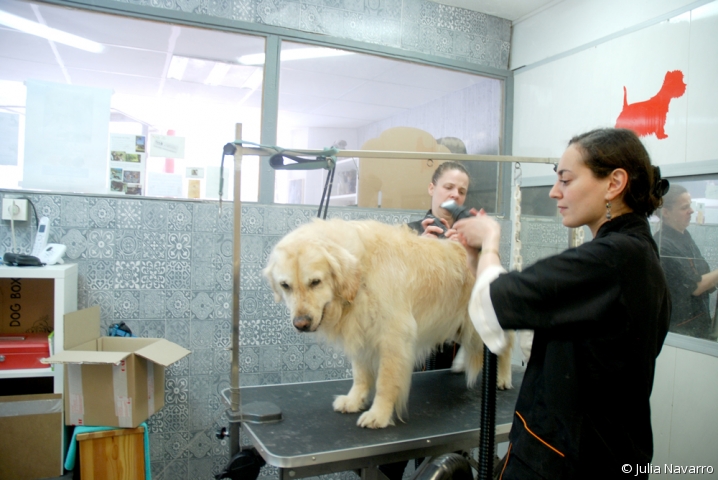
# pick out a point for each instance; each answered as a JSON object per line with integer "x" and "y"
{"x": 600, "y": 313}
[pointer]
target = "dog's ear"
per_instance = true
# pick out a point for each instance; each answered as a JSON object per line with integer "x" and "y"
{"x": 345, "y": 271}
{"x": 267, "y": 273}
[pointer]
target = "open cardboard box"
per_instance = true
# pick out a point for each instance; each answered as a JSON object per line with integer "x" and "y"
{"x": 112, "y": 381}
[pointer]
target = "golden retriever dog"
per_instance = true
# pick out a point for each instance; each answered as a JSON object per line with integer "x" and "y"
{"x": 387, "y": 297}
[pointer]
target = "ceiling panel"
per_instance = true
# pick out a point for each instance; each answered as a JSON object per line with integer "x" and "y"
{"x": 14, "y": 44}
{"x": 216, "y": 45}
{"x": 21, "y": 70}
{"x": 123, "y": 84}
{"x": 356, "y": 65}
{"x": 392, "y": 95}
{"x": 108, "y": 29}
{"x": 311, "y": 83}
{"x": 115, "y": 59}
{"x": 363, "y": 111}
{"x": 429, "y": 77}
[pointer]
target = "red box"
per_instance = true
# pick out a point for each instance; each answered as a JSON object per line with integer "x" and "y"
{"x": 23, "y": 350}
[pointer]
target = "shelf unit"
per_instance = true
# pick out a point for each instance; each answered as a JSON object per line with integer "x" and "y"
{"x": 64, "y": 279}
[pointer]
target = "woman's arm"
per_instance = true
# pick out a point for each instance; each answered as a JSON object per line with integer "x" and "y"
{"x": 707, "y": 282}
{"x": 481, "y": 232}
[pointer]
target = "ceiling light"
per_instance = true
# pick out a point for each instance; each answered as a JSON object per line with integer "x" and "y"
{"x": 295, "y": 54}
{"x": 34, "y": 28}
{"x": 219, "y": 71}
{"x": 177, "y": 67}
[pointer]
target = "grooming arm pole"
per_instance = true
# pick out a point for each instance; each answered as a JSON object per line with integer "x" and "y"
{"x": 235, "y": 400}
{"x": 488, "y": 417}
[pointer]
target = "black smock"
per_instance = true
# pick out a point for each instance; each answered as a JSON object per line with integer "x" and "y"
{"x": 600, "y": 313}
{"x": 684, "y": 266}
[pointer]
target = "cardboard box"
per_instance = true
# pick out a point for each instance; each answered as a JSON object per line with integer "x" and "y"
{"x": 31, "y": 436}
{"x": 112, "y": 381}
{"x": 378, "y": 177}
{"x": 27, "y": 305}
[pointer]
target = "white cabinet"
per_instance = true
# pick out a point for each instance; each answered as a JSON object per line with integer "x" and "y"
{"x": 64, "y": 286}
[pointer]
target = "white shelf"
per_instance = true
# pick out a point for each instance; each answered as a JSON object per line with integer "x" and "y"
{"x": 65, "y": 294}
{"x": 27, "y": 373}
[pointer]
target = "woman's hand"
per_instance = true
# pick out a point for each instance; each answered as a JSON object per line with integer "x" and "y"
{"x": 480, "y": 231}
{"x": 431, "y": 230}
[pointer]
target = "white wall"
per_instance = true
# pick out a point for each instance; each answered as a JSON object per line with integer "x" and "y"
{"x": 570, "y": 91}
{"x": 683, "y": 407}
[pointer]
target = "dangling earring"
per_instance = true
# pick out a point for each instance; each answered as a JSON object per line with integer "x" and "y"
{"x": 608, "y": 210}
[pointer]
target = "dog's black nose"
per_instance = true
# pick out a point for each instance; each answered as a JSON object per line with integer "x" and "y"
{"x": 302, "y": 323}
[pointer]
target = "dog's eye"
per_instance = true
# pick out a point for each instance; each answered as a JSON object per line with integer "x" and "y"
{"x": 315, "y": 282}
{"x": 284, "y": 285}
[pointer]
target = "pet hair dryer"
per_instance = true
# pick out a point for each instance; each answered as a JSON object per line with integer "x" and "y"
{"x": 457, "y": 211}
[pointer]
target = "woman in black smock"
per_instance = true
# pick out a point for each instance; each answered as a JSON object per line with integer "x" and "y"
{"x": 688, "y": 274}
{"x": 600, "y": 314}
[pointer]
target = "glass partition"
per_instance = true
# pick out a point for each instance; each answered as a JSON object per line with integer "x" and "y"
{"x": 132, "y": 107}
{"x": 355, "y": 101}
{"x": 686, "y": 231}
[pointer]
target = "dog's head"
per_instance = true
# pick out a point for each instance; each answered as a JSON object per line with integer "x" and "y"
{"x": 673, "y": 84}
{"x": 312, "y": 277}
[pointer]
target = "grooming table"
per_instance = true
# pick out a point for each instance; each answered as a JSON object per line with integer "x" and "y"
{"x": 312, "y": 439}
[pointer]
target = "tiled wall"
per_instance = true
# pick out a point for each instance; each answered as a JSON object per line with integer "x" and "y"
{"x": 415, "y": 25}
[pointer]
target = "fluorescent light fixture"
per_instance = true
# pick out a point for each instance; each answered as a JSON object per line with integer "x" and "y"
{"x": 34, "y": 28}
{"x": 219, "y": 71}
{"x": 177, "y": 67}
{"x": 295, "y": 54}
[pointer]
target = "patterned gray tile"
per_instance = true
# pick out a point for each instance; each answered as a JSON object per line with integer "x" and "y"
{"x": 222, "y": 361}
{"x": 201, "y": 362}
{"x": 202, "y": 306}
{"x": 293, "y": 357}
{"x": 154, "y": 215}
{"x": 203, "y": 276}
{"x": 100, "y": 244}
{"x": 178, "y": 304}
{"x": 179, "y": 246}
{"x": 252, "y": 220}
{"x": 314, "y": 357}
{"x": 127, "y": 274}
{"x": 203, "y": 245}
{"x": 97, "y": 274}
{"x": 153, "y": 275}
{"x": 176, "y": 417}
{"x": 128, "y": 214}
{"x": 205, "y": 217}
{"x": 201, "y": 334}
{"x": 176, "y": 390}
{"x": 154, "y": 245}
{"x": 178, "y": 332}
{"x": 222, "y": 304}
{"x": 181, "y": 368}
{"x": 179, "y": 217}
{"x": 75, "y": 211}
{"x": 152, "y": 303}
{"x": 128, "y": 245}
{"x": 48, "y": 206}
{"x": 102, "y": 213}
{"x": 223, "y": 333}
{"x": 75, "y": 242}
{"x": 127, "y": 304}
{"x": 178, "y": 275}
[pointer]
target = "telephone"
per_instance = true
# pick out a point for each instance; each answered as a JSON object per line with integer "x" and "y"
{"x": 43, "y": 233}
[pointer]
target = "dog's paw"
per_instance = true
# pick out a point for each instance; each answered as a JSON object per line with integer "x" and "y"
{"x": 504, "y": 383}
{"x": 345, "y": 404}
{"x": 457, "y": 366}
{"x": 372, "y": 419}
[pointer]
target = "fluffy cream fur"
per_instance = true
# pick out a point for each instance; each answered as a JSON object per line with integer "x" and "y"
{"x": 388, "y": 297}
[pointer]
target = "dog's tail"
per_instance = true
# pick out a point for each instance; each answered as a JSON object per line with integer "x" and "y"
{"x": 625, "y": 98}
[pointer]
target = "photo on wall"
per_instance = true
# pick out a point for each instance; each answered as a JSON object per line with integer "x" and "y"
{"x": 131, "y": 176}
{"x": 133, "y": 190}
{"x": 118, "y": 187}
{"x": 116, "y": 174}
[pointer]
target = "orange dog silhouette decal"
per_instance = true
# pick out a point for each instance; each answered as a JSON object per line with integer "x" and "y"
{"x": 649, "y": 117}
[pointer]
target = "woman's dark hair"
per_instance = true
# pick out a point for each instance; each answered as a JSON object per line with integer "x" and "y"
{"x": 607, "y": 149}
{"x": 450, "y": 165}
{"x": 669, "y": 201}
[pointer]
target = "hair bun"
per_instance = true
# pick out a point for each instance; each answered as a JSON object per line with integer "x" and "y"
{"x": 660, "y": 185}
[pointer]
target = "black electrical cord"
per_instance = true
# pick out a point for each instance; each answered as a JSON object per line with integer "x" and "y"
{"x": 488, "y": 417}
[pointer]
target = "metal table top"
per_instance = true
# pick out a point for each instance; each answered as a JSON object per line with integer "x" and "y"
{"x": 442, "y": 412}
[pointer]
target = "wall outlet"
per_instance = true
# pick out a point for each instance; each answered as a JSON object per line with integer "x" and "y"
{"x": 14, "y": 209}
